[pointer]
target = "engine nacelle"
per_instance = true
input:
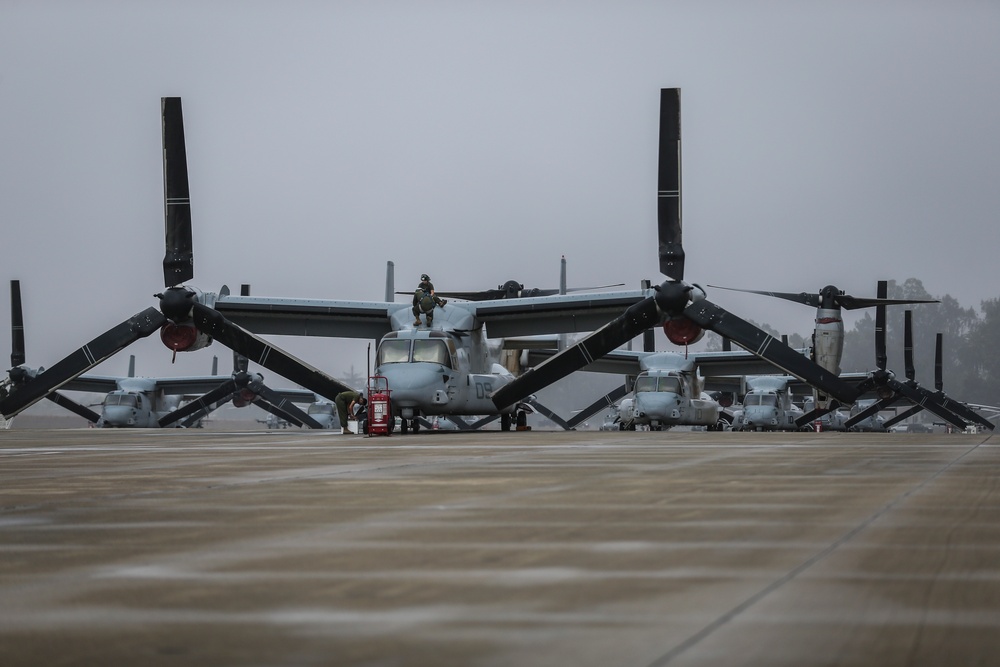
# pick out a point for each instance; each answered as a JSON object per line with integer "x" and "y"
{"x": 682, "y": 331}
{"x": 244, "y": 398}
{"x": 183, "y": 337}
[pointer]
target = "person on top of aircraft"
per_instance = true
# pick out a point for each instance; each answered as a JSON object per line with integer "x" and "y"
{"x": 424, "y": 301}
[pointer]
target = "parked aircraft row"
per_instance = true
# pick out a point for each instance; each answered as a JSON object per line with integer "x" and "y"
{"x": 454, "y": 366}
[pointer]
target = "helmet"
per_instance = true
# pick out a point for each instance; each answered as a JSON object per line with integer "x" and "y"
{"x": 424, "y": 276}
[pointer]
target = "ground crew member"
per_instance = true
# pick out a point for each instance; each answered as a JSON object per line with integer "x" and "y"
{"x": 346, "y": 402}
{"x": 424, "y": 301}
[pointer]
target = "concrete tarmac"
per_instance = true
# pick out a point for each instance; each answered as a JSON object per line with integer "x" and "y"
{"x": 167, "y": 547}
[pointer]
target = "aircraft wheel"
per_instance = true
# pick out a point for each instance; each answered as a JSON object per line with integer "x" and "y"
{"x": 522, "y": 419}
{"x": 505, "y": 422}
{"x": 416, "y": 425}
{"x": 404, "y": 426}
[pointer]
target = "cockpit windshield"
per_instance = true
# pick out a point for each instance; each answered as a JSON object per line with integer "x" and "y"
{"x": 645, "y": 383}
{"x": 433, "y": 351}
{"x": 653, "y": 383}
{"x": 128, "y": 400}
{"x": 393, "y": 352}
{"x": 767, "y": 400}
{"x": 427, "y": 350}
{"x": 670, "y": 384}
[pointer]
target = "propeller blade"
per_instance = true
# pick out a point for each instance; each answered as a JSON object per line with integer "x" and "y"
{"x": 602, "y": 403}
{"x": 282, "y": 407}
{"x": 115, "y": 339}
{"x": 267, "y": 406}
{"x": 73, "y": 406}
{"x": 903, "y": 415}
{"x": 16, "y": 325}
{"x": 938, "y": 371}
{"x": 871, "y": 410}
{"x": 259, "y": 351}
{"x": 668, "y": 209}
{"x": 802, "y": 297}
{"x": 845, "y": 301}
{"x": 178, "y": 262}
{"x": 849, "y": 302}
{"x": 483, "y": 422}
{"x": 908, "y": 368}
{"x": 816, "y": 413}
{"x": 881, "y": 357}
{"x": 963, "y": 411}
{"x": 205, "y": 402}
{"x": 714, "y": 318}
{"x": 550, "y": 414}
{"x": 636, "y": 319}
{"x": 920, "y": 396}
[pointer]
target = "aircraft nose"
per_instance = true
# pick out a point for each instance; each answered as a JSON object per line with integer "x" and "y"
{"x": 118, "y": 415}
{"x": 412, "y": 384}
{"x": 657, "y": 404}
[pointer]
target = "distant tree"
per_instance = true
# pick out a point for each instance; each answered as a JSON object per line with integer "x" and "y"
{"x": 979, "y": 358}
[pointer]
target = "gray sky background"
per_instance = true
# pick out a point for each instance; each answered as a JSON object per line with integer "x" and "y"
{"x": 823, "y": 142}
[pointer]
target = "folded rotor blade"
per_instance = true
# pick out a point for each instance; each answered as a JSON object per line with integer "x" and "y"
{"x": 282, "y": 407}
{"x": 559, "y": 421}
{"x": 483, "y": 422}
{"x": 16, "y": 325}
{"x": 903, "y": 415}
{"x": 617, "y": 332}
{"x": 206, "y": 402}
{"x": 872, "y": 409}
{"x": 267, "y": 406}
{"x": 73, "y": 406}
{"x": 816, "y": 413}
{"x": 881, "y": 357}
{"x": 259, "y": 351}
{"x": 920, "y": 396}
{"x": 938, "y": 363}
{"x": 178, "y": 262}
{"x": 115, "y": 339}
{"x": 908, "y": 368}
{"x": 193, "y": 420}
{"x": 602, "y": 403}
{"x": 714, "y": 318}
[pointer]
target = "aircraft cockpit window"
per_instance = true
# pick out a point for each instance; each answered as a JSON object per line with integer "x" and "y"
{"x": 433, "y": 351}
{"x": 670, "y": 384}
{"x": 127, "y": 400}
{"x": 393, "y": 352}
{"x": 645, "y": 383}
{"x": 767, "y": 400}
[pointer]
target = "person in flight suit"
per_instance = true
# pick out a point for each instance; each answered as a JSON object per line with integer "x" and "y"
{"x": 424, "y": 301}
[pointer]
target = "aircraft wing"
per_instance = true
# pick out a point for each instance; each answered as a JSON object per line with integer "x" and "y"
{"x": 198, "y": 385}
{"x": 564, "y": 313}
{"x": 95, "y": 384}
{"x": 310, "y": 317}
{"x": 628, "y": 362}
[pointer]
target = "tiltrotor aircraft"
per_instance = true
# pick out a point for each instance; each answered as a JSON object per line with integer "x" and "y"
{"x": 149, "y": 402}
{"x": 185, "y": 319}
{"x": 890, "y": 390}
{"x": 682, "y": 308}
{"x": 669, "y": 388}
{"x": 768, "y": 405}
{"x": 828, "y": 335}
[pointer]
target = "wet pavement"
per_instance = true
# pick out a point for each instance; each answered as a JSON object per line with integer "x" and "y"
{"x": 169, "y": 547}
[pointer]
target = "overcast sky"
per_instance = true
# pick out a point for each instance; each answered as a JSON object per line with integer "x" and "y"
{"x": 823, "y": 143}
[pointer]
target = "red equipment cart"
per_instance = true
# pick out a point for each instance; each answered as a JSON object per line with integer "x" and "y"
{"x": 380, "y": 419}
